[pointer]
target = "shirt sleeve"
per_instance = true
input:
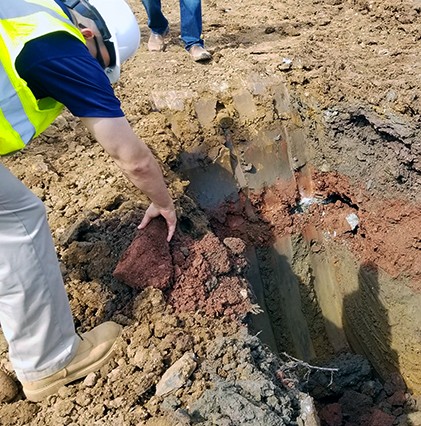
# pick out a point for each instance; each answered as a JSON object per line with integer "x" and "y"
{"x": 60, "y": 66}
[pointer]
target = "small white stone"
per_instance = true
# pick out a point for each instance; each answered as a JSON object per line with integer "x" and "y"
{"x": 353, "y": 220}
{"x": 90, "y": 380}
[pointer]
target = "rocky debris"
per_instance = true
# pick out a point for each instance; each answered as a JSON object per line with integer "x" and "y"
{"x": 238, "y": 366}
{"x": 356, "y": 395}
{"x": 209, "y": 277}
{"x": 234, "y": 379}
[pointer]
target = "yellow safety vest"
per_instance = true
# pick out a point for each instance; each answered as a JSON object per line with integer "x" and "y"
{"x": 22, "y": 116}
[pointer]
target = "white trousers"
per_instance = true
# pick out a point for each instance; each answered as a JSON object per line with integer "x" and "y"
{"x": 35, "y": 314}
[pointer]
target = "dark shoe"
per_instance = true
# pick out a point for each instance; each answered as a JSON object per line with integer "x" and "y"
{"x": 156, "y": 42}
{"x": 95, "y": 349}
{"x": 199, "y": 53}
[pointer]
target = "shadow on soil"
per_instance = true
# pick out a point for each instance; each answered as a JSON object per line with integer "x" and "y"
{"x": 355, "y": 394}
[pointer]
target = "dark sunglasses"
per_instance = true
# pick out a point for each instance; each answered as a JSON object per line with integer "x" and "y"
{"x": 90, "y": 12}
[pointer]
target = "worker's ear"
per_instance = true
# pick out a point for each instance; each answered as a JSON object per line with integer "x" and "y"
{"x": 87, "y": 33}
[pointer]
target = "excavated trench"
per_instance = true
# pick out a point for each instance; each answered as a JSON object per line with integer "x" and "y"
{"x": 333, "y": 261}
{"x": 320, "y": 297}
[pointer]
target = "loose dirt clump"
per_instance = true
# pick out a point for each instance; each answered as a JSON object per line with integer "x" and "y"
{"x": 8, "y": 388}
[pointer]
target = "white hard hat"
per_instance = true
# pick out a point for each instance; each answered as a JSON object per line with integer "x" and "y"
{"x": 118, "y": 27}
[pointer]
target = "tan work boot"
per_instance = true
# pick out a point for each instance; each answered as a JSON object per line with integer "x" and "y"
{"x": 95, "y": 349}
{"x": 199, "y": 53}
{"x": 156, "y": 42}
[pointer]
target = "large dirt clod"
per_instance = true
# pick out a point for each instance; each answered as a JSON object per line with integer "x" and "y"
{"x": 149, "y": 251}
{"x": 8, "y": 388}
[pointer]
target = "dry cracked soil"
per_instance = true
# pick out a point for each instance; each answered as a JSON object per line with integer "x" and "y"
{"x": 303, "y": 134}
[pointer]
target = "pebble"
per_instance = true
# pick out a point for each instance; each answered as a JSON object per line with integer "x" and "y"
{"x": 90, "y": 380}
{"x": 177, "y": 375}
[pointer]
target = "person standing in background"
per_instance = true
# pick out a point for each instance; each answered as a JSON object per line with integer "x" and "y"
{"x": 191, "y": 28}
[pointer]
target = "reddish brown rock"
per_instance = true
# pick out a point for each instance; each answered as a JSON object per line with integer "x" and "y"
{"x": 378, "y": 418}
{"x": 331, "y": 414}
{"x": 397, "y": 399}
{"x": 147, "y": 262}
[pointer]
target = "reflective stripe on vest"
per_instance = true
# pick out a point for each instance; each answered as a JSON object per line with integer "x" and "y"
{"x": 22, "y": 117}
{"x": 13, "y": 111}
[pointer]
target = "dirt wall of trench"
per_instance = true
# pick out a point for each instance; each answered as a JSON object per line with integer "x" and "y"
{"x": 380, "y": 252}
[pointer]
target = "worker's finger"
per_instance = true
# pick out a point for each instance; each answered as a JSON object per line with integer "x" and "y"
{"x": 171, "y": 231}
{"x": 171, "y": 219}
{"x": 169, "y": 215}
{"x": 146, "y": 219}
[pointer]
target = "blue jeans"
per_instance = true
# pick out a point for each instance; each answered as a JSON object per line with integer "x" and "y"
{"x": 190, "y": 18}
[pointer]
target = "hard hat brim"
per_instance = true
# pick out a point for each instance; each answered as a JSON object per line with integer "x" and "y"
{"x": 113, "y": 73}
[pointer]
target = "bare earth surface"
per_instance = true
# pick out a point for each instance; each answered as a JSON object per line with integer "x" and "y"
{"x": 352, "y": 70}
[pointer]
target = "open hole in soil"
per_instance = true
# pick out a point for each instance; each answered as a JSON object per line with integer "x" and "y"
{"x": 322, "y": 303}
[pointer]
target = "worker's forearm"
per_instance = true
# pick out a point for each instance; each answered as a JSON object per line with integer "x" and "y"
{"x": 132, "y": 156}
{"x": 147, "y": 176}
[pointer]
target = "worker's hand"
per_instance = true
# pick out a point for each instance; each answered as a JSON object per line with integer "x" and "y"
{"x": 168, "y": 214}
